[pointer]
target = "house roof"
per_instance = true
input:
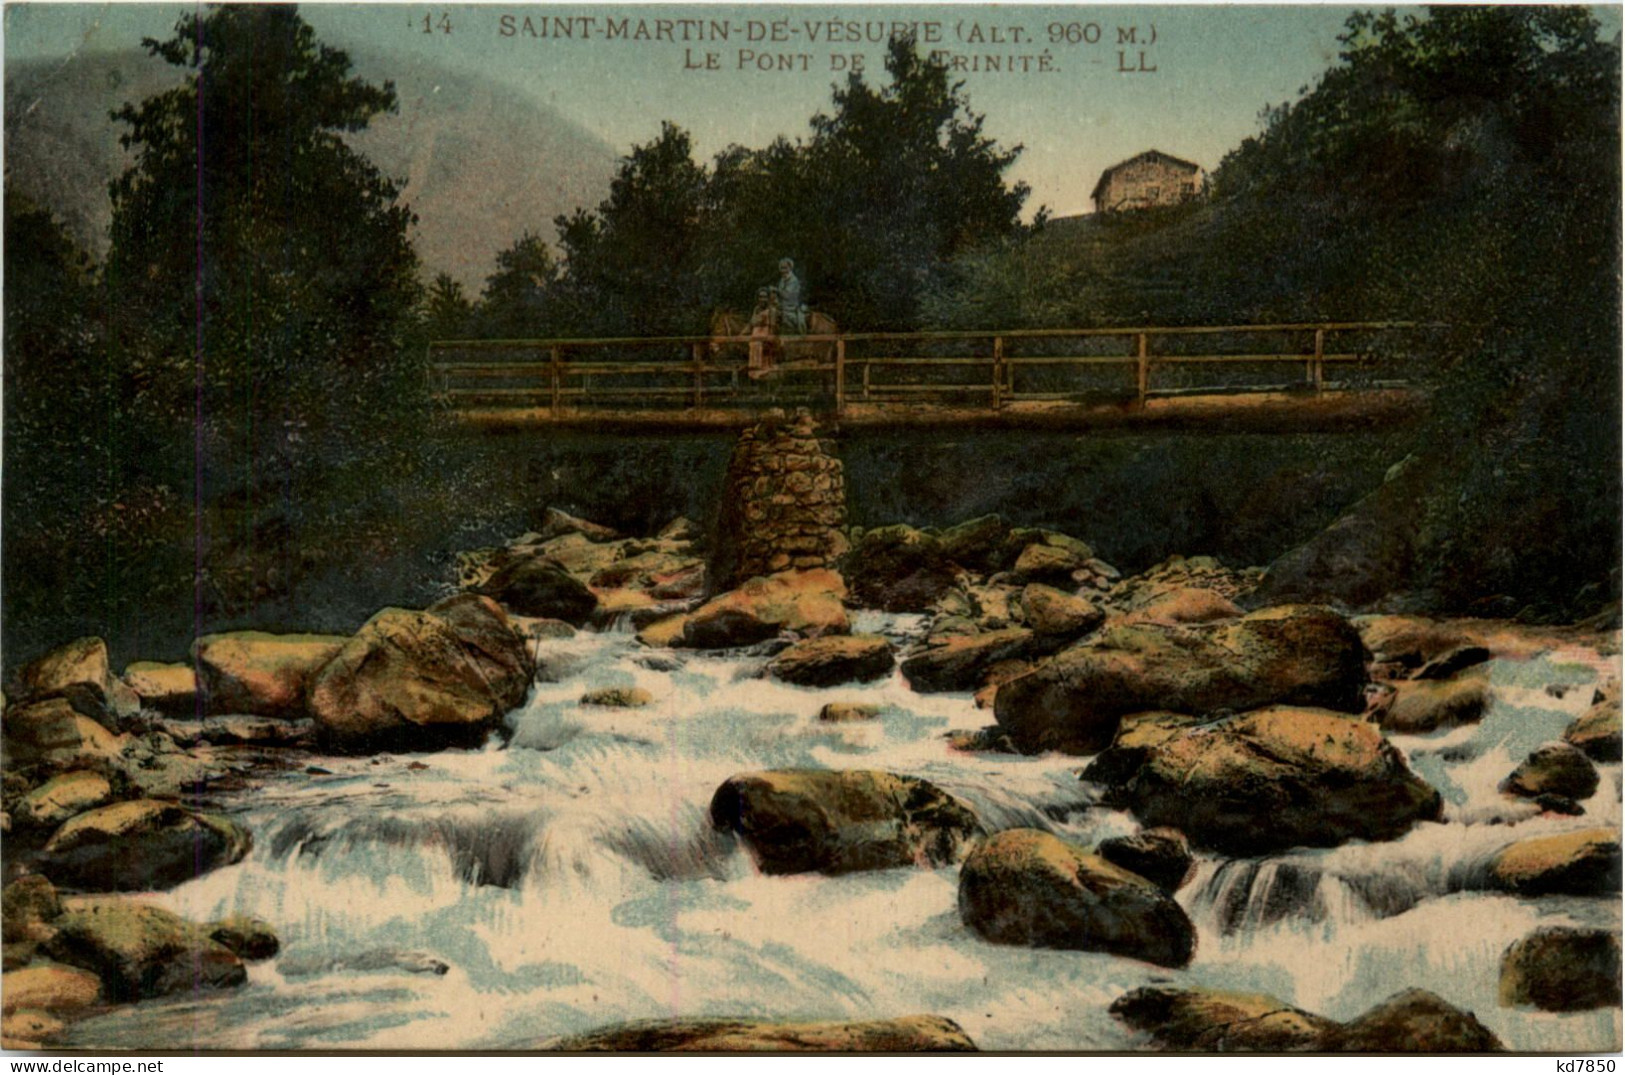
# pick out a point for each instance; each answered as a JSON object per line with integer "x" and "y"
{"x": 1149, "y": 154}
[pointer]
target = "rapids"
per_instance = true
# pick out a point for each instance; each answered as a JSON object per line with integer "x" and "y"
{"x": 566, "y": 876}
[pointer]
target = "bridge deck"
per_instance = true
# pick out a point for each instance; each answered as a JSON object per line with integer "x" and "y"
{"x": 1336, "y": 374}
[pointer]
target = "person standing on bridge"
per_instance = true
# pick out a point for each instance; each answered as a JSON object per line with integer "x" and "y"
{"x": 792, "y": 312}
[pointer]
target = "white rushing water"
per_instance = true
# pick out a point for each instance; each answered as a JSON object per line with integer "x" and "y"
{"x": 570, "y": 879}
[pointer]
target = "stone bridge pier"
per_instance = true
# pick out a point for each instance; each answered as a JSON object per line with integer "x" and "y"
{"x": 783, "y": 502}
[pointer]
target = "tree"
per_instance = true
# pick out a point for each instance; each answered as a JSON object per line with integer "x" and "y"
{"x": 262, "y": 269}
{"x": 252, "y": 249}
{"x": 447, "y": 313}
{"x": 514, "y": 304}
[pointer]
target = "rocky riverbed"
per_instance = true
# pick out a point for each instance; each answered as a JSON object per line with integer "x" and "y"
{"x": 957, "y": 789}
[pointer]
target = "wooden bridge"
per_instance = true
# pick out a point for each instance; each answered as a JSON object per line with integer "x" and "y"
{"x": 1277, "y": 377}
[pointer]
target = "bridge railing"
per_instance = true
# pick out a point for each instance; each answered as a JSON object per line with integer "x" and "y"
{"x": 983, "y": 369}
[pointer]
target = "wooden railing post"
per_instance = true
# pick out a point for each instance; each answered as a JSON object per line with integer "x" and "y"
{"x": 866, "y": 382}
{"x": 998, "y": 373}
{"x": 699, "y": 374}
{"x": 1318, "y": 371}
{"x": 556, "y": 375}
{"x": 840, "y": 377}
{"x": 1142, "y": 371}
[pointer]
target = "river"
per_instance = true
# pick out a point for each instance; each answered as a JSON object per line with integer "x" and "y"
{"x": 566, "y": 876}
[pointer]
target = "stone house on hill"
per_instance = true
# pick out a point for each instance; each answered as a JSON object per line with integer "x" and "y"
{"x": 1150, "y": 179}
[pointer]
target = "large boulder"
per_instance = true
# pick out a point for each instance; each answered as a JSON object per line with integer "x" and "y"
{"x": 540, "y": 586}
{"x": 907, "y": 1034}
{"x": 141, "y": 951}
{"x": 1214, "y": 1021}
{"x": 1367, "y": 553}
{"x": 255, "y": 672}
{"x": 1271, "y": 779}
{"x": 79, "y": 672}
{"x": 833, "y": 660}
{"x": 139, "y": 846}
{"x": 54, "y": 736}
{"x": 805, "y": 604}
{"x": 1583, "y": 863}
{"x": 61, "y": 797}
{"x": 1052, "y": 559}
{"x": 1027, "y": 887}
{"x": 1596, "y": 731}
{"x": 1424, "y": 705}
{"x": 1193, "y": 604}
{"x": 1562, "y": 969}
{"x": 1413, "y": 1021}
{"x": 1292, "y": 655}
{"x": 841, "y": 821}
{"x": 423, "y": 680}
{"x": 961, "y": 662}
{"x": 1553, "y": 769}
{"x": 1408, "y": 642}
{"x": 899, "y": 569}
{"x": 168, "y": 688}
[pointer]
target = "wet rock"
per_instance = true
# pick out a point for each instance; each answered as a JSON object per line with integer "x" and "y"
{"x": 1295, "y": 654}
{"x": 1562, "y": 969}
{"x": 239, "y": 731}
{"x": 1413, "y": 1021}
{"x": 834, "y": 822}
{"x": 665, "y": 632}
{"x": 541, "y": 587}
{"x": 1214, "y": 1021}
{"x": 1553, "y": 769}
{"x": 422, "y": 680}
{"x": 1596, "y": 731}
{"x": 28, "y": 906}
{"x": 1271, "y": 779}
{"x": 977, "y": 740}
{"x": 79, "y": 672}
{"x": 1052, "y": 561}
{"x": 1420, "y": 706}
{"x": 250, "y": 938}
{"x": 141, "y": 951}
{"x": 805, "y": 604}
{"x": 540, "y": 629}
{"x": 168, "y": 688}
{"x": 1584, "y": 863}
{"x": 50, "y": 987}
{"x": 848, "y": 712}
{"x": 618, "y": 697}
{"x": 56, "y": 737}
{"x": 908, "y": 1034}
{"x": 956, "y": 662}
{"x": 997, "y": 675}
{"x": 978, "y": 544}
{"x": 1056, "y": 613}
{"x": 1558, "y": 804}
{"x": 139, "y": 846}
{"x": 263, "y": 674}
{"x": 61, "y": 797}
{"x": 1452, "y": 662}
{"x": 372, "y": 961}
{"x": 1027, "y": 887}
{"x": 899, "y": 569}
{"x": 29, "y": 1029}
{"x": 833, "y": 660}
{"x": 1408, "y": 642}
{"x": 1161, "y": 856}
{"x": 681, "y": 528}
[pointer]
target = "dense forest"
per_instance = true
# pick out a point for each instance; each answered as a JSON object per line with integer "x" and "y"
{"x": 234, "y": 402}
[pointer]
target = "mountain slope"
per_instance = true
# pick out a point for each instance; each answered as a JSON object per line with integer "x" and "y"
{"x": 481, "y": 162}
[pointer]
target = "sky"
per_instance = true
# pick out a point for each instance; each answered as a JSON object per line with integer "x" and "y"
{"x": 1080, "y": 87}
